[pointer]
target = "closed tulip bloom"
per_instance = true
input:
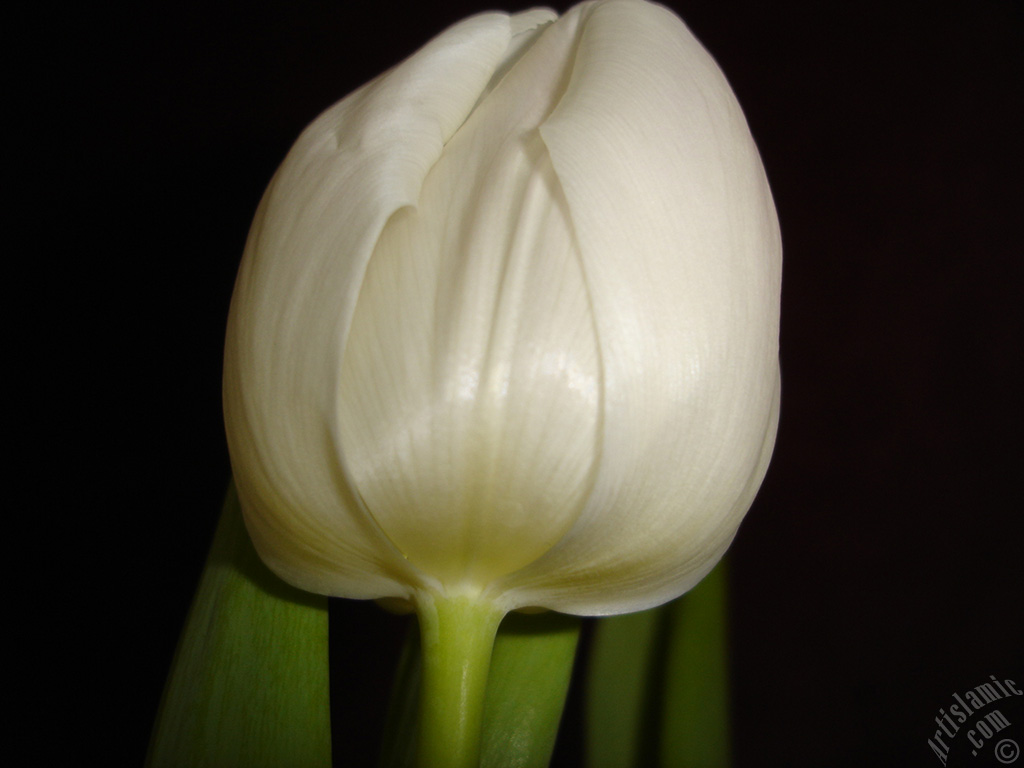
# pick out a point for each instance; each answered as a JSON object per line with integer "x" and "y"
{"x": 506, "y": 325}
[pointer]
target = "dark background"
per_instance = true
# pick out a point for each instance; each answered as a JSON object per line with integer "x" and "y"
{"x": 879, "y": 571}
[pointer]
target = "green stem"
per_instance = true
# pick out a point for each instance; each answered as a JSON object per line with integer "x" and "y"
{"x": 457, "y": 635}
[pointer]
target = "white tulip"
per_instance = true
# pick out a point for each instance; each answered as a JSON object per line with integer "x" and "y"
{"x": 506, "y": 325}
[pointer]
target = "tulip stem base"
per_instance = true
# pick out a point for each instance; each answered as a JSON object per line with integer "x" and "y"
{"x": 457, "y": 635}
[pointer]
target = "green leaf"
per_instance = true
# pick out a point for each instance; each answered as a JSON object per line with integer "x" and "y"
{"x": 657, "y": 687}
{"x": 695, "y": 713}
{"x": 528, "y": 681}
{"x": 248, "y": 686}
{"x": 619, "y": 693}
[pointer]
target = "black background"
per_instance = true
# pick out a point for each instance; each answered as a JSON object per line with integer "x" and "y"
{"x": 879, "y": 571}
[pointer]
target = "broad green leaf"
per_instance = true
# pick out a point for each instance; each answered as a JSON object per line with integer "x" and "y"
{"x": 619, "y": 696}
{"x": 695, "y": 712}
{"x": 528, "y": 681}
{"x": 657, "y": 684}
{"x": 530, "y": 672}
{"x": 248, "y": 686}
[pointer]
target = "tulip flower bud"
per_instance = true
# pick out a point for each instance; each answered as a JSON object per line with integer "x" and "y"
{"x": 506, "y": 324}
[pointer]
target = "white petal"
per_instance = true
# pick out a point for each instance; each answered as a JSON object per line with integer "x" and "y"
{"x": 682, "y": 259}
{"x": 470, "y": 394}
{"x": 357, "y": 164}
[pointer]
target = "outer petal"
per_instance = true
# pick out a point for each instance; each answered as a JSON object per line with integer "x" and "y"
{"x": 315, "y": 229}
{"x": 682, "y": 258}
{"x": 470, "y": 398}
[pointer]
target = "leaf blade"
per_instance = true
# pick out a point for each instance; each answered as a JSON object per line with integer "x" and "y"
{"x": 529, "y": 680}
{"x": 657, "y": 684}
{"x": 619, "y": 690}
{"x": 248, "y": 687}
{"x": 695, "y": 711}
